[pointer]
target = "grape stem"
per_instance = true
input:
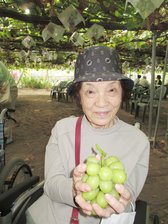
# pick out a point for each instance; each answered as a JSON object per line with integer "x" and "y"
{"x": 103, "y": 154}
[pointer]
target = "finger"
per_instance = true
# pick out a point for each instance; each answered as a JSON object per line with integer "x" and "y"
{"x": 107, "y": 212}
{"x": 123, "y": 192}
{"x": 82, "y": 187}
{"x": 125, "y": 195}
{"x": 79, "y": 170}
{"x": 87, "y": 212}
{"x": 115, "y": 204}
{"x": 85, "y": 206}
{"x": 98, "y": 157}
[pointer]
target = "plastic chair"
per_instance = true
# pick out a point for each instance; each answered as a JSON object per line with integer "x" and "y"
{"x": 145, "y": 102}
{"x": 55, "y": 91}
{"x": 136, "y": 97}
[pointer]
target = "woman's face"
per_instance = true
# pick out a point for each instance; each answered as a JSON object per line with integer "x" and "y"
{"x": 100, "y": 102}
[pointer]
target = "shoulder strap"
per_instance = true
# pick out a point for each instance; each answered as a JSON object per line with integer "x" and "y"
{"x": 77, "y": 140}
{"x": 74, "y": 218}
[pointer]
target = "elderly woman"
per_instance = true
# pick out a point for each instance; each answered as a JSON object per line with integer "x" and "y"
{"x": 99, "y": 88}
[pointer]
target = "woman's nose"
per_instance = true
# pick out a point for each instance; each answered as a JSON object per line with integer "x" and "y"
{"x": 101, "y": 100}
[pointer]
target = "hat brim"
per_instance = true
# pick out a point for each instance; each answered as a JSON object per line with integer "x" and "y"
{"x": 128, "y": 83}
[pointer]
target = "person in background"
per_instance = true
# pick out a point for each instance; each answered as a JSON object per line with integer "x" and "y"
{"x": 8, "y": 88}
{"x": 158, "y": 81}
{"x": 144, "y": 82}
{"x": 99, "y": 87}
{"x": 8, "y": 97}
{"x": 137, "y": 80}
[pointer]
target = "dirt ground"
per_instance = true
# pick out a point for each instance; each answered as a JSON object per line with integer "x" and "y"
{"x": 36, "y": 114}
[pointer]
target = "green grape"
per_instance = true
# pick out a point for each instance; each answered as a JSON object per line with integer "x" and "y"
{"x": 84, "y": 178}
{"x": 116, "y": 165}
{"x": 101, "y": 201}
{"x": 110, "y": 160}
{"x": 92, "y": 159}
{"x": 105, "y": 173}
{"x": 90, "y": 195}
{"x": 93, "y": 181}
{"x": 92, "y": 169}
{"x": 119, "y": 176}
{"x": 106, "y": 186}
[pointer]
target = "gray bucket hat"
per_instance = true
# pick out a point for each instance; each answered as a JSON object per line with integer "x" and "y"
{"x": 99, "y": 63}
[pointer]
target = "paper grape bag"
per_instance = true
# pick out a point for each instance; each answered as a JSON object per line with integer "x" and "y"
{"x": 123, "y": 218}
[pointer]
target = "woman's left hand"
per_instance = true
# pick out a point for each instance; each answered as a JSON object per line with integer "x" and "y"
{"x": 115, "y": 206}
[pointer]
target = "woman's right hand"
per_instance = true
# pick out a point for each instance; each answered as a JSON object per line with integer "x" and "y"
{"x": 79, "y": 187}
{"x": 78, "y": 173}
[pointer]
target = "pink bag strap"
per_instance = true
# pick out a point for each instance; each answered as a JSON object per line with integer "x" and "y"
{"x": 74, "y": 218}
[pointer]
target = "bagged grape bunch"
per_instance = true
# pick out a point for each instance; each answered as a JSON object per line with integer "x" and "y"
{"x": 102, "y": 175}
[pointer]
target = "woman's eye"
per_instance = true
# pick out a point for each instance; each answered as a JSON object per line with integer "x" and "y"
{"x": 112, "y": 91}
{"x": 90, "y": 93}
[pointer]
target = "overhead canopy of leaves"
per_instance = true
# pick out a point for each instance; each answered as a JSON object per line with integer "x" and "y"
{"x": 125, "y": 28}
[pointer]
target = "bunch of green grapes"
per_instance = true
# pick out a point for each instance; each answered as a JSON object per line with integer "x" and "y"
{"x": 102, "y": 175}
